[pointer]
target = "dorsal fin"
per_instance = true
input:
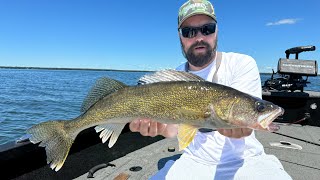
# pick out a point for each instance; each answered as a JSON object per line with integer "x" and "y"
{"x": 103, "y": 87}
{"x": 168, "y": 75}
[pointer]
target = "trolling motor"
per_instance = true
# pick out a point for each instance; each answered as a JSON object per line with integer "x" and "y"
{"x": 291, "y": 71}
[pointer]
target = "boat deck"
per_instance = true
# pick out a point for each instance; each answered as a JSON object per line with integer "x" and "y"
{"x": 299, "y": 163}
{"x": 300, "y": 156}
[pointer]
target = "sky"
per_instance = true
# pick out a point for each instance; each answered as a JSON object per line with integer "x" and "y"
{"x": 142, "y": 35}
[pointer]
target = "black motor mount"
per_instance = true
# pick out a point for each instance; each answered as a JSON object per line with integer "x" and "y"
{"x": 292, "y": 71}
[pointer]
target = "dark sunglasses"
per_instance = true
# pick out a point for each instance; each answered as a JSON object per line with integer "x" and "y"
{"x": 190, "y": 32}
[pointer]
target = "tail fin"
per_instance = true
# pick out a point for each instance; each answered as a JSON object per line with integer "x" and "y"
{"x": 56, "y": 138}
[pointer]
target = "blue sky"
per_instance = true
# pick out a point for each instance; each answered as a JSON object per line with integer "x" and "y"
{"x": 142, "y": 35}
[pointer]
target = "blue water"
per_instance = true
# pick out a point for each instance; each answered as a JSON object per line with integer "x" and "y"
{"x": 28, "y": 97}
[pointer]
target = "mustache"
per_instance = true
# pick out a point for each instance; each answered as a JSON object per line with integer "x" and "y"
{"x": 200, "y": 59}
{"x": 199, "y": 43}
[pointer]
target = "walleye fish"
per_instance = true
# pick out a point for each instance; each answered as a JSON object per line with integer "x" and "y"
{"x": 166, "y": 96}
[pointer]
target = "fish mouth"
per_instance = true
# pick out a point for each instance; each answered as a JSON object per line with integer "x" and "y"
{"x": 266, "y": 120}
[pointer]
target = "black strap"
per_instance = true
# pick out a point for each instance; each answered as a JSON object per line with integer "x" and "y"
{"x": 218, "y": 62}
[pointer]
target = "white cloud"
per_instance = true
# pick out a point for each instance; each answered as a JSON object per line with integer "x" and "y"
{"x": 283, "y": 21}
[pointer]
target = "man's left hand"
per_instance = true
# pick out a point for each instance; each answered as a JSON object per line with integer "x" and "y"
{"x": 236, "y": 133}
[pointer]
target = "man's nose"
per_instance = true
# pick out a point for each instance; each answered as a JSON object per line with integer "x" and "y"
{"x": 199, "y": 36}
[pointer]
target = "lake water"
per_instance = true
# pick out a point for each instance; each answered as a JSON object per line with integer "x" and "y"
{"x": 28, "y": 97}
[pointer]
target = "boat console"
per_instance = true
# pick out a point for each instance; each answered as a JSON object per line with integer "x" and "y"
{"x": 293, "y": 73}
{"x": 287, "y": 90}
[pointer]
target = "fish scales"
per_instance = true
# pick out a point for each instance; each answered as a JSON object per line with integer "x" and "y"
{"x": 160, "y": 101}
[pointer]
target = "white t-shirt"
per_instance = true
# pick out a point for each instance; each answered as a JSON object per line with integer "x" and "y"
{"x": 240, "y": 72}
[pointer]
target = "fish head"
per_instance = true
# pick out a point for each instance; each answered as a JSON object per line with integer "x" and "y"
{"x": 255, "y": 113}
{"x": 247, "y": 111}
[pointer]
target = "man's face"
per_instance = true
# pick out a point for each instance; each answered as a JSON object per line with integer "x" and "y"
{"x": 200, "y": 49}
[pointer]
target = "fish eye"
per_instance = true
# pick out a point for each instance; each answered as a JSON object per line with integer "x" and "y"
{"x": 260, "y": 106}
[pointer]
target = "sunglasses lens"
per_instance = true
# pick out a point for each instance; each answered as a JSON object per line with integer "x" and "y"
{"x": 188, "y": 32}
{"x": 208, "y": 29}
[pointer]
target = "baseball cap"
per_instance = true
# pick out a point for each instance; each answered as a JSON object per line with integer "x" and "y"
{"x": 194, "y": 7}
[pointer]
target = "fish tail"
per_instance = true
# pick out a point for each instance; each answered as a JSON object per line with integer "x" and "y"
{"x": 57, "y": 138}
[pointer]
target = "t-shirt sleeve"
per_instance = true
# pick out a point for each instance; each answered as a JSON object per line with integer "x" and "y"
{"x": 246, "y": 76}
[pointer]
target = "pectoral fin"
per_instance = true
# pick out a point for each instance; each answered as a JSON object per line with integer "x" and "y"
{"x": 107, "y": 130}
{"x": 186, "y": 134}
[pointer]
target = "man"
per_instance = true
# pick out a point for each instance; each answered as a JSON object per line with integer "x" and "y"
{"x": 225, "y": 153}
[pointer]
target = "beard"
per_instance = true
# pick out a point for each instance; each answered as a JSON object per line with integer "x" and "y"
{"x": 202, "y": 59}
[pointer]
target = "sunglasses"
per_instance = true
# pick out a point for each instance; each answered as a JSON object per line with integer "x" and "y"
{"x": 190, "y": 32}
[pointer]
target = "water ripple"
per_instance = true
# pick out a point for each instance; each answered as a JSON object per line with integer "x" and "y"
{"x": 31, "y": 96}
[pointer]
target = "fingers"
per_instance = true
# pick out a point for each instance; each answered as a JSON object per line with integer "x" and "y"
{"x": 147, "y": 127}
{"x": 225, "y": 132}
{"x": 246, "y": 131}
{"x": 134, "y": 126}
{"x": 153, "y": 129}
{"x": 235, "y": 133}
{"x": 144, "y": 127}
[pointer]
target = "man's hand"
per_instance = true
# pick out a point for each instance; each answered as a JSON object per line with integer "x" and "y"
{"x": 147, "y": 127}
{"x": 236, "y": 133}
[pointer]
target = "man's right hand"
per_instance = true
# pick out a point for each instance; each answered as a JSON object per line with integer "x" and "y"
{"x": 147, "y": 127}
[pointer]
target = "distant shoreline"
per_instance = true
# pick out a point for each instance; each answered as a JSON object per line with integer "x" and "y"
{"x": 86, "y": 69}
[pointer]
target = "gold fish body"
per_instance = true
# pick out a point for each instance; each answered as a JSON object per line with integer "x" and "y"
{"x": 168, "y": 97}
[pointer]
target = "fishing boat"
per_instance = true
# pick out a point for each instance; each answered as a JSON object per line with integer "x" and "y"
{"x": 288, "y": 91}
{"x": 296, "y": 144}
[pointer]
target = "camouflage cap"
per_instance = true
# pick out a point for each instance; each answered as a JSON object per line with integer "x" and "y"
{"x": 194, "y": 7}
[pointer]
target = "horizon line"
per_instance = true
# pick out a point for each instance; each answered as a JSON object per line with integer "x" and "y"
{"x": 87, "y": 69}
{"x": 64, "y": 68}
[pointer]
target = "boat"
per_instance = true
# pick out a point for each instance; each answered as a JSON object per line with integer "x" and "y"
{"x": 288, "y": 92}
{"x": 296, "y": 144}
